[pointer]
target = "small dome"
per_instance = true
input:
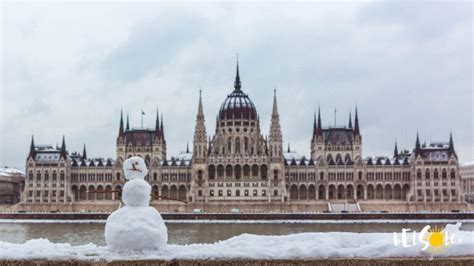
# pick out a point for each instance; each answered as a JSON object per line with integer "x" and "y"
{"x": 238, "y": 104}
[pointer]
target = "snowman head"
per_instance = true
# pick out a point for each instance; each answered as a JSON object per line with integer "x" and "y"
{"x": 135, "y": 167}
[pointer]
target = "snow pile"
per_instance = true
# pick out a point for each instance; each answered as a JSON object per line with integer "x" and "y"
{"x": 136, "y": 226}
{"x": 246, "y": 246}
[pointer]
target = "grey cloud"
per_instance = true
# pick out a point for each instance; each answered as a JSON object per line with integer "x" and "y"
{"x": 150, "y": 46}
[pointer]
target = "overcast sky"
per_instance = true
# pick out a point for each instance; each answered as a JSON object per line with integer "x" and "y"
{"x": 70, "y": 68}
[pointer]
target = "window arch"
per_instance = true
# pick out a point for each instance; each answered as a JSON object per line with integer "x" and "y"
{"x": 228, "y": 171}
{"x": 237, "y": 145}
{"x": 211, "y": 171}
{"x": 263, "y": 171}
{"x": 237, "y": 171}
{"x": 199, "y": 174}
{"x": 246, "y": 144}
{"x": 329, "y": 157}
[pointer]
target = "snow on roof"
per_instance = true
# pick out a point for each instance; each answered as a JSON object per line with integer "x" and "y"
{"x": 8, "y": 171}
{"x": 45, "y": 148}
{"x": 182, "y": 159}
{"x": 50, "y": 156}
{"x": 292, "y": 154}
{"x": 184, "y": 155}
{"x": 247, "y": 246}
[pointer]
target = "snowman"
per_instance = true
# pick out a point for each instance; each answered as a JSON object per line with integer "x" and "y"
{"x": 135, "y": 226}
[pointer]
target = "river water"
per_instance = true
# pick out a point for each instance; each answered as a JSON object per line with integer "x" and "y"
{"x": 186, "y": 233}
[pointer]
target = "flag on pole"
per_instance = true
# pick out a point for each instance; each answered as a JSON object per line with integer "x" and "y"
{"x": 143, "y": 113}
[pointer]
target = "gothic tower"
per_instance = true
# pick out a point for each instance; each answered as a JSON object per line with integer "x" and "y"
{"x": 200, "y": 136}
{"x": 275, "y": 137}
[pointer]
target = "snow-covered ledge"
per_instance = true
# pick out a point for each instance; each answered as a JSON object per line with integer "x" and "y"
{"x": 305, "y": 246}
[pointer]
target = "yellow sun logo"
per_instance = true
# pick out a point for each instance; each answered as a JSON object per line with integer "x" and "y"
{"x": 437, "y": 239}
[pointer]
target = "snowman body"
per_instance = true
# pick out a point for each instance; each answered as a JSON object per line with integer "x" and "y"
{"x": 136, "y": 226}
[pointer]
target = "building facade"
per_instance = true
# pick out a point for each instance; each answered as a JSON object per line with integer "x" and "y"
{"x": 12, "y": 182}
{"x": 237, "y": 164}
{"x": 467, "y": 178}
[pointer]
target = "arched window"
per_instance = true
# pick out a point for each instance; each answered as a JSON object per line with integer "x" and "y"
{"x": 211, "y": 171}
{"x": 220, "y": 171}
{"x": 199, "y": 174}
{"x": 275, "y": 174}
{"x": 237, "y": 171}
{"x": 246, "y": 144}
{"x": 237, "y": 145}
{"x": 228, "y": 171}
{"x": 329, "y": 157}
{"x": 427, "y": 174}
{"x": 255, "y": 171}
{"x": 229, "y": 145}
{"x": 263, "y": 171}
{"x": 347, "y": 158}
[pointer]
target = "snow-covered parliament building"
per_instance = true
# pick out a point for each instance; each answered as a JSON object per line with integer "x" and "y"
{"x": 236, "y": 167}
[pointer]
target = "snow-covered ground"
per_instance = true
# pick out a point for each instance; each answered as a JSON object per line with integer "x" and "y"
{"x": 297, "y": 246}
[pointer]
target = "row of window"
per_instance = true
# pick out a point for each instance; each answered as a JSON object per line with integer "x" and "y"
{"x": 46, "y": 176}
{"x": 45, "y": 193}
{"x": 237, "y": 193}
{"x": 444, "y": 174}
{"x": 349, "y": 176}
{"x": 436, "y": 192}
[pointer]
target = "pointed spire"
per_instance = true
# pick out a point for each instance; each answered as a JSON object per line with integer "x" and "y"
{"x": 451, "y": 150}
{"x": 63, "y": 148}
{"x": 319, "y": 130}
{"x": 84, "y": 152}
{"x": 350, "y": 120}
{"x": 157, "y": 123}
{"x": 289, "y": 150}
{"x": 121, "y": 123}
{"x": 417, "y": 145}
{"x": 395, "y": 151}
{"x": 200, "y": 113}
{"x": 187, "y": 147}
{"x": 63, "y": 144}
{"x": 275, "y": 105}
{"x": 162, "y": 131}
{"x": 127, "y": 127}
{"x": 32, "y": 147}
{"x": 237, "y": 84}
{"x": 356, "y": 123}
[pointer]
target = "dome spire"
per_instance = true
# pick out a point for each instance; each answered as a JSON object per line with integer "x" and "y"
{"x": 237, "y": 84}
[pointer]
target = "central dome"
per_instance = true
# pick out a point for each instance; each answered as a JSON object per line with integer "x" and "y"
{"x": 238, "y": 104}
